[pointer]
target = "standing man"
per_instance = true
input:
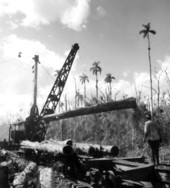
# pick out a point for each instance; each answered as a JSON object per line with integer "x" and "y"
{"x": 152, "y": 135}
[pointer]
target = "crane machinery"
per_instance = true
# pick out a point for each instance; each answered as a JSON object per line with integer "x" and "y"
{"x": 34, "y": 127}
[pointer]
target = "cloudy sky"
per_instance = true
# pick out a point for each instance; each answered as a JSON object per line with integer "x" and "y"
{"x": 106, "y": 31}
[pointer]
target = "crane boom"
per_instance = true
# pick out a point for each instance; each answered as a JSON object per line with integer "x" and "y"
{"x": 57, "y": 89}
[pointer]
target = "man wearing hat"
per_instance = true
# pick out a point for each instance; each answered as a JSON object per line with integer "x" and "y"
{"x": 152, "y": 135}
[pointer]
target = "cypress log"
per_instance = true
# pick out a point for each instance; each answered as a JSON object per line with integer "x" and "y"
{"x": 22, "y": 179}
{"x": 47, "y": 145}
{"x": 54, "y": 146}
{"x": 96, "y": 149}
{"x": 46, "y": 178}
{"x": 105, "y": 107}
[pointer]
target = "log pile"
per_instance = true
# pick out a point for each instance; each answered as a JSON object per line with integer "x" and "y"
{"x": 66, "y": 168}
{"x": 27, "y": 178}
{"x": 16, "y": 172}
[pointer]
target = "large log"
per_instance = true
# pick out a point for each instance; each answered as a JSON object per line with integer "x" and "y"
{"x": 46, "y": 177}
{"x": 47, "y": 146}
{"x": 22, "y": 179}
{"x": 96, "y": 150}
{"x": 110, "y": 106}
{"x": 54, "y": 146}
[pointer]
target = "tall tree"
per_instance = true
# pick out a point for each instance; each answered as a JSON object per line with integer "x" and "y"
{"x": 79, "y": 97}
{"x": 95, "y": 70}
{"x": 84, "y": 78}
{"x": 108, "y": 80}
{"x": 157, "y": 76}
{"x": 146, "y": 31}
{"x": 61, "y": 104}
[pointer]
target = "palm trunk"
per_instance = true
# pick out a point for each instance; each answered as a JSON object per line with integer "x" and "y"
{"x": 158, "y": 100}
{"x": 84, "y": 94}
{"x": 75, "y": 105}
{"x": 150, "y": 69}
{"x": 96, "y": 87}
{"x": 66, "y": 103}
{"x": 110, "y": 91}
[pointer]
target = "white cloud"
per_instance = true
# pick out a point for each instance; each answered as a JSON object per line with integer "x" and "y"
{"x": 125, "y": 87}
{"x": 17, "y": 85}
{"x": 75, "y": 17}
{"x": 126, "y": 73}
{"x": 12, "y": 105}
{"x": 13, "y": 45}
{"x": 163, "y": 74}
{"x": 165, "y": 64}
{"x": 33, "y": 13}
{"x": 101, "y": 11}
{"x": 141, "y": 79}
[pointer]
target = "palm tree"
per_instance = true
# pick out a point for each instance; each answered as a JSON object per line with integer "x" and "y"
{"x": 95, "y": 69}
{"x": 79, "y": 97}
{"x": 109, "y": 79}
{"x": 84, "y": 78}
{"x": 145, "y": 33}
{"x": 61, "y": 104}
{"x": 75, "y": 92}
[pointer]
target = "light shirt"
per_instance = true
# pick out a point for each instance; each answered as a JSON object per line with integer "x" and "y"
{"x": 151, "y": 130}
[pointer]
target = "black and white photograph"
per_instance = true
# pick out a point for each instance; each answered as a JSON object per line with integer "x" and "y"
{"x": 84, "y": 93}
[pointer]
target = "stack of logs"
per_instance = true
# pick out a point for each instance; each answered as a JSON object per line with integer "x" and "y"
{"x": 54, "y": 164}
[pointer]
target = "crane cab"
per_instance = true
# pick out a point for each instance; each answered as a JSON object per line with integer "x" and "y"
{"x": 17, "y": 132}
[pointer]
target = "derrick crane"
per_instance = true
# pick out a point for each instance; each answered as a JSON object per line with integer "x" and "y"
{"x": 34, "y": 127}
{"x": 57, "y": 89}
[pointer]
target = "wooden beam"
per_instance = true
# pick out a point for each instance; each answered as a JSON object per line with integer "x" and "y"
{"x": 110, "y": 106}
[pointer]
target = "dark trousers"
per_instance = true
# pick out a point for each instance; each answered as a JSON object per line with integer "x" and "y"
{"x": 154, "y": 144}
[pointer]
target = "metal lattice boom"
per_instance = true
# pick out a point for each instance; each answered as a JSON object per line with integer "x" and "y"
{"x": 57, "y": 89}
